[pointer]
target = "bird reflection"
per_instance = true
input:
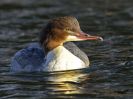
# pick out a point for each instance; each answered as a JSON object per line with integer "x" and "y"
{"x": 55, "y": 84}
{"x": 67, "y": 82}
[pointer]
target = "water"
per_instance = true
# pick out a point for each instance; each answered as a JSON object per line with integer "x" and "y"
{"x": 111, "y": 73}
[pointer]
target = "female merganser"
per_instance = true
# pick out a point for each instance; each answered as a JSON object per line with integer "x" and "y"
{"x": 53, "y": 54}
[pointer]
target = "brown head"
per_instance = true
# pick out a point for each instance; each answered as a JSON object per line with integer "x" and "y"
{"x": 60, "y": 30}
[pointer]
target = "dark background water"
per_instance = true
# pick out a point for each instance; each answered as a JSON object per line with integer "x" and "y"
{"x": 111, "y": 73}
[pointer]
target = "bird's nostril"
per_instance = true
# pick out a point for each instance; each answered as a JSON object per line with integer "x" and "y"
{"x": 86, "y": 35}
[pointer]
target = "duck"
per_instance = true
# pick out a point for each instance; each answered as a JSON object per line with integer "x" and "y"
{"x": 55, "y": 50}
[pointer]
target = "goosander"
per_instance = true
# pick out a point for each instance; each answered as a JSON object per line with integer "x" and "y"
{"x": 54, "y": 52}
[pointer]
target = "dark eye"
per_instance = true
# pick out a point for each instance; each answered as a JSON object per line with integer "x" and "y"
{"x": 67, "y": 29}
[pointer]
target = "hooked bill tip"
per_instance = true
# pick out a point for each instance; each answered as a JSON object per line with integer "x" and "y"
{"x": 100, "y": 38}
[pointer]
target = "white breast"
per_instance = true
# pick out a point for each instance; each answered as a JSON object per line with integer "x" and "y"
{"x": 61, "y": 59}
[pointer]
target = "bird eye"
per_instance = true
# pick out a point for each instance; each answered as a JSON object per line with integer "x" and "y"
{"x": 67, "y": 29}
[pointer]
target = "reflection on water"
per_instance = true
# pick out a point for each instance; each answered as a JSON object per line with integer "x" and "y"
{"x": 110, "y": 75}
{"x": 46, "y": 85}
{"x": 69, "y": 84}
{"x": 66, "y": 83}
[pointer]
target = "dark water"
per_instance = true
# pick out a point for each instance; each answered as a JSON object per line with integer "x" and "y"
{"x": 111, "y": 73}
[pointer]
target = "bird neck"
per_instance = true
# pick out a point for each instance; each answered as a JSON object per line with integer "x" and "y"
{"x": 57, "y": 51}
{"x": 51, "y": 45}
